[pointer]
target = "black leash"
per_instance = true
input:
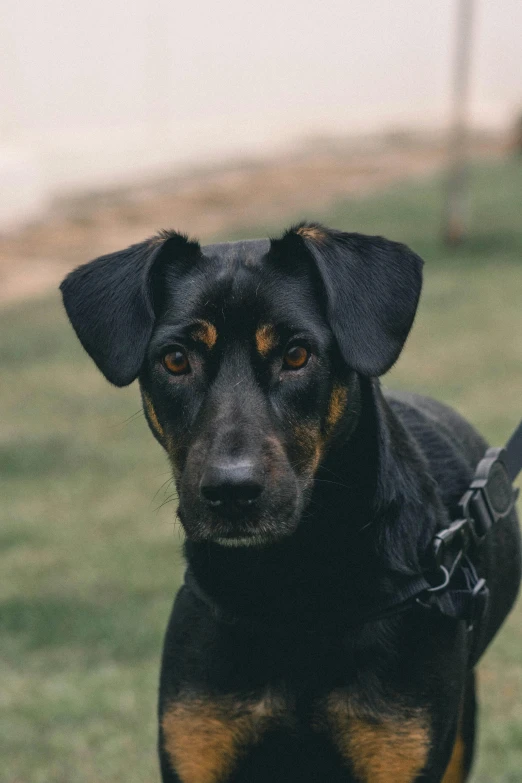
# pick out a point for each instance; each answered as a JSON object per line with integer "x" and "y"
{"x": 513, "y": 459}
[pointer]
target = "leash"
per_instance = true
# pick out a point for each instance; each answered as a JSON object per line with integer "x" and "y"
{"x": 513, "y": 450}
{"x": 453, "y": 587}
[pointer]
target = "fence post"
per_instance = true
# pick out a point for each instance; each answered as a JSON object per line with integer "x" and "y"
{"x": 456, "y": 209}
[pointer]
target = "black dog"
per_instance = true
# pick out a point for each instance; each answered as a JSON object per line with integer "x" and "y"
{"x": 309, "y": 501}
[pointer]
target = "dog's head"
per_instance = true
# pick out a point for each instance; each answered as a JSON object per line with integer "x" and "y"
{"x": 248, "y": 355}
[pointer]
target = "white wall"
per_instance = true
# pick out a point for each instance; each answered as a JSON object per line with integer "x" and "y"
{"x": 99, "y": 90}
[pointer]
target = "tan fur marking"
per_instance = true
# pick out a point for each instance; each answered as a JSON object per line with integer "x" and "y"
{"x": 455, "y": 772}
{"x": 318, "y": 454}
{"x": 388, "y": 750}
{"x": 151, "y": 413}
{"x": 310, "y": 445}
{"x": 266, "y": 339}
{"x": 204, "y": 739}
{"x": 337, "y": 406}
{"x": 206, "y": 333}
{"x": 314, "y": 233}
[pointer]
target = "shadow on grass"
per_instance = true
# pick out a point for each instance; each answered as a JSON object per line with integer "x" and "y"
{"x": 124, "y": 631}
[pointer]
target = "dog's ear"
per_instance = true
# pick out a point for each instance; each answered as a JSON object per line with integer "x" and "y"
{"x": 372, "y": 289}
{"x": 110, "y": 303}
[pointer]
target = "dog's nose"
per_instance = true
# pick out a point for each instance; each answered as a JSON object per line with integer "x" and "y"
{"x": 233, "y": 483}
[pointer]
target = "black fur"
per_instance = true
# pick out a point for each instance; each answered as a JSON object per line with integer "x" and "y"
{"x": 372, "y": 289}
{"x": 110, "y": 304}
{"x": 329, "y": 490}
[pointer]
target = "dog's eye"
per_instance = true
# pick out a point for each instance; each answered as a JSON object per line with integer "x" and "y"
{"x": 176, "y": 362}
{"x": 296, "y": 356}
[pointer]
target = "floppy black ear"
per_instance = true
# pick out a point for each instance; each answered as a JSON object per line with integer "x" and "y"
{"x": 372, "y": 290}
{"x": 110, "y": 304}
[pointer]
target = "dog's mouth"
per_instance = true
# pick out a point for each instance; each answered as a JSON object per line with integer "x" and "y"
{"x": 252, "y": 540}
{"x": 253, "y": 528}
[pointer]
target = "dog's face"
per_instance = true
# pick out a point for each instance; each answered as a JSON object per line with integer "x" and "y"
{"x": 248, "y": 356}
{"x": 243, "y": 385}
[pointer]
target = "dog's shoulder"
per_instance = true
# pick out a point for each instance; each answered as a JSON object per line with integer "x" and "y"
{"x": 450, "y": 444}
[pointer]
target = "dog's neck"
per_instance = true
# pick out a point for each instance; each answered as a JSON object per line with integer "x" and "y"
{"x": 353, "y": 543}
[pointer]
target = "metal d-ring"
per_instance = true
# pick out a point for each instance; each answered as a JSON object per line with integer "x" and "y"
{"x": 444, "y": 584}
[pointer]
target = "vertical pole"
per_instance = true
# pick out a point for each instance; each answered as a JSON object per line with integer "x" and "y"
{"x": 456, "y": 198}
{"x": 158, "y": 81}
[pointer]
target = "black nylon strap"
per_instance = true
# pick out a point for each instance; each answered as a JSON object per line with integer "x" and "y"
{"x": 402, "y": 601}
{"x": 513, "y": 457}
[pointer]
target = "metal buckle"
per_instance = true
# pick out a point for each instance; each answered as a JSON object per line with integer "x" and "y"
{"x": 445, "y": 582}
{"x": 449, "y": 546}
{"x": 491, "y": 496}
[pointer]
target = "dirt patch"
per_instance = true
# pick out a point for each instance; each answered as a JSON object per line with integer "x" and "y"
{"x": 210, "y": 202}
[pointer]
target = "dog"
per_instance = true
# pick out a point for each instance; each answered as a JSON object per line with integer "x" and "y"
{"x": 309, "y": 498}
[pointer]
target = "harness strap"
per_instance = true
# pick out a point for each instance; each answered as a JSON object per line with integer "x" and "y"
{"x": 462, "y": 594}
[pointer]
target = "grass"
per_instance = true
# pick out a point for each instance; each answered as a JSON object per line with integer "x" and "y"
{"x": 90, "y": 562}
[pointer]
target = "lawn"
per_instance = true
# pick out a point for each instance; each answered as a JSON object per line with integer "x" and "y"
{"x": 89, "y": 545}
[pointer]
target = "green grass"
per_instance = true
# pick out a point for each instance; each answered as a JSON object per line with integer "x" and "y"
{"x": 90, "y": 563}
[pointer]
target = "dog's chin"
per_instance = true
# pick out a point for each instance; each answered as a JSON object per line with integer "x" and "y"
{"x": 235, "y": 542}
{"x": 251, "y": 532}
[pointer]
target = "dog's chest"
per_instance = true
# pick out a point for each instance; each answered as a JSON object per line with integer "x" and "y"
{"x": 210, "y": 740}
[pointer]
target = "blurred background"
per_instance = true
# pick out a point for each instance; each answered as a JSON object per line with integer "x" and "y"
{"x": 224, "y": 121}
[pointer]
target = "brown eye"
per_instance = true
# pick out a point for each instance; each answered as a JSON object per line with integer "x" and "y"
{"x": 296, "y": 357}
{"x": 176, "y": 362}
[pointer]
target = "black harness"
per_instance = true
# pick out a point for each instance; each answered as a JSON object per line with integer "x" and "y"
{"x": 450, "y": 584}
{"x": 491, "y": 497}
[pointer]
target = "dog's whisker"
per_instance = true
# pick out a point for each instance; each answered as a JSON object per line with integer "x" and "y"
{"x": 136, "y": 415}
{"x": 329, "y": 481}
{"x": 164, "y": 486}
{"x": 170, "y": 499}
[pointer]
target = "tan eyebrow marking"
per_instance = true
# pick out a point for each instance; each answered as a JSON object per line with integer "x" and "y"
{"x": 206, "y": 333}
{"x": 314, "y": 233}
{"x": 266, "y": 339}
